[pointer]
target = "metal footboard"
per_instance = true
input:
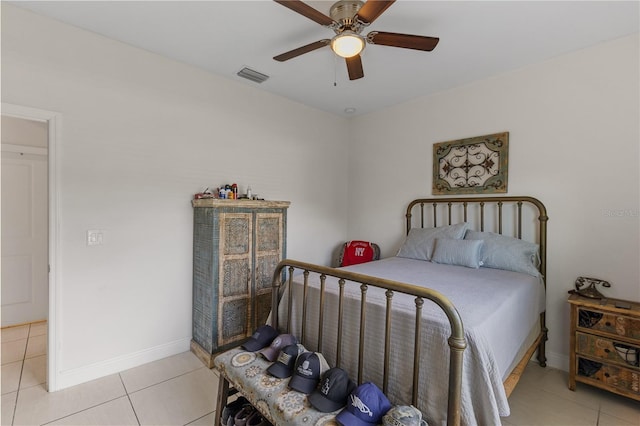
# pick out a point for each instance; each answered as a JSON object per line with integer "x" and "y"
{"x": 456, "y": 341}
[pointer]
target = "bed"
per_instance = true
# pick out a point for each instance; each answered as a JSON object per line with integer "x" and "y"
{"x": 398, "y": 321}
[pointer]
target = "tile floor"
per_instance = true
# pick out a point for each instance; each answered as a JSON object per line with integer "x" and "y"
{"x": 179, "y": 390}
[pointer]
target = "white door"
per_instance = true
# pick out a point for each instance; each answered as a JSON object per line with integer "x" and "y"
{"x": 24, "y": 235}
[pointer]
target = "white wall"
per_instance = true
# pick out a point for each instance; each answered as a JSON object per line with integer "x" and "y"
{"x": 574, "y": 144}
{"x": 140, "y": 135}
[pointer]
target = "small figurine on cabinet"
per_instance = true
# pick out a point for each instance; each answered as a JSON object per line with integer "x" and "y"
{"x": 587, "y": 287}
{"x": 204, "y": 194}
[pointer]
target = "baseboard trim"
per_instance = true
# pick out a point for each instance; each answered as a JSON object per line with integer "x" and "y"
{"x": 558, "y": 360}
{"x": 76, "y": 376}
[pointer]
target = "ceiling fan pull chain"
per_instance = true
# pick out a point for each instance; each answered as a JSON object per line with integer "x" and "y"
{"x": 335, "y": 70}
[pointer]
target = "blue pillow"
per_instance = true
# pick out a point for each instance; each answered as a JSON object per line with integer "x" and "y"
{"x": 419, "y": 243}
{"x": 508, "y": 253}
{"x": 458, "y": 252}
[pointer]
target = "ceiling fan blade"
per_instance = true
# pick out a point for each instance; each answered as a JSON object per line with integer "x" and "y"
{"x": 302, "y": 50}
{"x": 354, "y": 66}
{"x": 306, "y": 10}
{"x": 406, "y": 41}
{"x": 372, "y": 9}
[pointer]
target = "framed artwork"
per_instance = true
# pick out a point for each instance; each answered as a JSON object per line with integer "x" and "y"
{"x": 475, "y": 165}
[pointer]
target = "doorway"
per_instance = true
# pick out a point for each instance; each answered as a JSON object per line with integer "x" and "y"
{"x": 24, "y": 231}
{"x": 29, "y": 176}
{"x": 24, "y": 235}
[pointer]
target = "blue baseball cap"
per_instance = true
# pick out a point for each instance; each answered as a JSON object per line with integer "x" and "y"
{"x": 365, "y": 406}
{"x": 283, "y": 367}
{"x": 261, "y": 338}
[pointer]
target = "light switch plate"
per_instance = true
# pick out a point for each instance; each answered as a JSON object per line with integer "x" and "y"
{"x": 95, "y": 237}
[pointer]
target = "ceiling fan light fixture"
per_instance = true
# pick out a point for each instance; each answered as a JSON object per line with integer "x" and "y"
{"x": 347, "y": 44}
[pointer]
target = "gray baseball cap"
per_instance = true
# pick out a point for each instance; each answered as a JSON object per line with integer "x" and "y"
{"x": 403, "y": 415}
{"x": 271, "y": 352}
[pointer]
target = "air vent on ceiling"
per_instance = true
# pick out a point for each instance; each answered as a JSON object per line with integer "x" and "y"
{"x": 252, "y": 75}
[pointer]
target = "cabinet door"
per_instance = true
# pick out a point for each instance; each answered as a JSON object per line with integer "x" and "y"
{"x": 268, "y": 252}
{"x": 235, "y": 277}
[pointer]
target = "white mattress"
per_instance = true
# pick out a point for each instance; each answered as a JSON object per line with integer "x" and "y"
{"x": 498, "y": 310}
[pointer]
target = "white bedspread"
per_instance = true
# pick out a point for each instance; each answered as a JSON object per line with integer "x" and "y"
{"x": 498, "y": 309}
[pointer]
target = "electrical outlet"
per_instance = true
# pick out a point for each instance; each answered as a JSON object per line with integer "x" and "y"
{"x": 95, "y": 237}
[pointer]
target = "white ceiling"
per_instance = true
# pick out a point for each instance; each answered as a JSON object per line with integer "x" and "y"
{"x": 478, "y": 39}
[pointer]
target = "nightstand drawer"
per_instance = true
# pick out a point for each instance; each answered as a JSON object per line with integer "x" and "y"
{"x": 607, "y": 350}
{"x": 610, "y": 323}
{"x": 620, "y": 378}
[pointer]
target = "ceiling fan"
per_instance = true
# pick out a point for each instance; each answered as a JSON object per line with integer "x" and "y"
{"x": 348, "y": 19}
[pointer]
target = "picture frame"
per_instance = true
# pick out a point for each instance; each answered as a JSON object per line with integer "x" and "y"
{"x": 477, "y": 165}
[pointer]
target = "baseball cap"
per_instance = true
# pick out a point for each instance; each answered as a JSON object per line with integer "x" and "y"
{"x": 403, "y": 415}
{"x": 331, "y": 395}
{"x": 310, "y": 366}
{"x": 283, "y": 367}
{"x": 365, "y": 406}
{"x": 262, "y": 337}
{"x": 272, "y": 351}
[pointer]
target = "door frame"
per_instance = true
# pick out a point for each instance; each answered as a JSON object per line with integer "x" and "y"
{"x": 54, "y": 123}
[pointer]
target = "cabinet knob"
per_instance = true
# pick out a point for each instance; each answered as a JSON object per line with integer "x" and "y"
{"x": 607, "y": 350}
{"x": 606, "y": 375}
{"x": 608, "y": 324}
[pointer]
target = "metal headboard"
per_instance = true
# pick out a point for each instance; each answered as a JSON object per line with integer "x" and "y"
{"x": 528, "y": 215}
{"x": 482, "y": 212}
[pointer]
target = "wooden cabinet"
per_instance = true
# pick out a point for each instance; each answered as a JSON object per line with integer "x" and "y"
{"x": 236, "y": 247}
{"x": 605, "y": 345}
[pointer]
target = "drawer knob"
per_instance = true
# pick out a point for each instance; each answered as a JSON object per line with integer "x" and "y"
{"x": 607, "y": 350}
{"x": 608, "y": 324}
{"x": 606, "y": 374}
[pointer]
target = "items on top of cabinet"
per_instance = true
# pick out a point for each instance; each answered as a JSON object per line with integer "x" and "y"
{"x": 204, "y": 194}
{"x": 228, "y": 192}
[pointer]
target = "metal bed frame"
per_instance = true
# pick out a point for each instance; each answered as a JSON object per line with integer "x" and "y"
{"x": 430, "y": 215}
{"x": 488, "y": 212}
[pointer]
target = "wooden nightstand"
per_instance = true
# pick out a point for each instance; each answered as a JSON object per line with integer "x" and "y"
{"x": 605, "y": 345}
